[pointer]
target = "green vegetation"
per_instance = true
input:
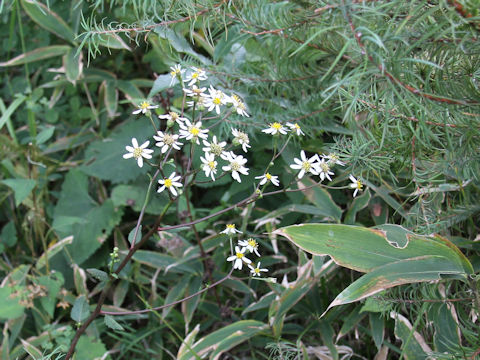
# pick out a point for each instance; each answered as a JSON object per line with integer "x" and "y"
{"x": 319, "y": 199}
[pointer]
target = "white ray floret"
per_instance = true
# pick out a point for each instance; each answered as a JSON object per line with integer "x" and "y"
{"x": 356, "y": 184}
{"x": 195, "y": 75}
{"x": 268, "y": 177}
{"x": 175, "y": 72}
{"x": 323, "y": 169}
{"x": 215, "y": 99}
{"x": 170, "y": 183}
{"x": 241, "y": 138}
{"x": 173, "y": 116}
{"x": 144, "y": 107}
{"x": 238, "y": 105}
{"x": 256, "y": 271}
{"x": 214, "y": 147}
{"x": 166, "y": 141}
{"x": 230, "y": 230}
{"x": 138, "y": 152}
{"x": 209, "y": 165}
{"x": 275, "y": 128}
{"x": 239, "y": 258}
{"x": 296, "y": 128}
{"x": 333, "y": 158}
{"x": 236, "y": 165}
{"x": 251, "y": 245}
{"x": 193, "y": 131}
{"x": 305, "y": 165}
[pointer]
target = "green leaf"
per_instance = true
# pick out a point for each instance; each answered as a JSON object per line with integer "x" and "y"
{"x": 364, "y": 249}
{"x": 8, "y": 236}
{"x": 133, "y": 195}
{"x": 189, "y": 306}
{"x": 98, "y": 274}
{"x": 112, "y": 323}
{"x": 131, "y": 235}
{"x": 11, "y": 108}
{"x": 73, "y": 65}
{"x": 105, "y": 157}
{"x": 52, "y": 251}
{"x": 406, "y": 271}
{"x": 45, "y": 135}
{"x": 110, "y": 97}
{"x": 89, "y": 348}
{"x": 21, "y": 187}
{"x": 175, "y": 293}
{"x": 378, "y": 329}
{"x": 48, "y": 19}
{"x": 37, "y": 55}
{"x": 322, "y": 199}
{"x": 161, "y": 261}
{"x": 10, "y": 308}
{"x": 100, "y": 218}
{"x": 112, "y": 41}
{"x": 224, "y": 339}
{"x": 161, "y": 83}
{"x": 358, "y": 203}
{"x": 80, "y": 310}
{"x": 414, "y": 346}
{"x": 53, "y": 283}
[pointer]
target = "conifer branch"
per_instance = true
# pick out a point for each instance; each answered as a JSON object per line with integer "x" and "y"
{"x": 464, "y": 13}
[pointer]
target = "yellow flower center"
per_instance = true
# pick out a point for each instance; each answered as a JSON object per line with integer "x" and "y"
{"x": 217, "y": 101}
{"x": 239, "y": 255}
{"x": 359, "y": 185}
{"x": 144, "y": 105}
{"x": 194, "y": 131}
{"x": 231, "y": 226}
{"x": 242, "y": 138}
{"x": 276, "y": 126}
{"x": 296, "y": 126}
{"x": 197, "y": 91}
{"x": 173, "y": 115}
{"x": 268, "y": 176}
{"x": 168, "y": 183}
{"x": 168, "y": 139}
{"x": 212, "y": 165}
{"x": 137, "y": 152}
{"x": 252, "y": 243}
{"x": 216, "y": 149}
{"x": 334, "y": 157}
{"x": 235, "y": 166}
{"x": 257, "y": 270}
{"x": 174, "y": 73}
{"x": 306, "y": 166}
{"x": 325, "y": 167}
{"x": 195, "y": 75}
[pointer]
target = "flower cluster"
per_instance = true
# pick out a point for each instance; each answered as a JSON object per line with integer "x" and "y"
{"x": 179, "y": 127}
{"x": 240, "y": 256}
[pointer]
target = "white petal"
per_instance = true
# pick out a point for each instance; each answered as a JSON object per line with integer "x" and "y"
{"x": 127, "y": 155}
{"x": 161, "y": 189}
{"x": 173, "y": 191}
{"x": 134, "y": 142}
{"x": 140, "y": 161}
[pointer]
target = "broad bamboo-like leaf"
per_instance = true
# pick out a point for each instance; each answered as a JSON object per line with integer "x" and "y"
{"x": 364, "y": 249}
{"x": 414, "y": 270}
{"x": 224, "y": 339}
{"x": 48, "y": 19}
{"x": 414, "y": 345}
{"x": 73, "y": 64}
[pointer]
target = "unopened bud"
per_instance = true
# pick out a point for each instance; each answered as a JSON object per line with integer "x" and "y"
{"x": 170, "y": 123}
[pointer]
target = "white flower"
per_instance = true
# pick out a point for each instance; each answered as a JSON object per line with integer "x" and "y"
{"x": 172, "y": 115}
{"x": 238, "y": 105}
{"x": 275, "y": 128}
{"x": 195, "y": 75}
{"x": 356, "y": 184}
{"x": 333, "y": 158}
{"x": 324, "y": 170}
{"x": 235, "y": 165}
{"x": 209, "y": 165}
{"x": 144, "y": 107}
{"x": 239, "y": 258}
{"x": 195, "y": 91}
{"x": 176, "y": 71}
{"x": 295, "y": 127}
{"x": 305, "y": 165}
{"x": 138, "y": 152}
{"x": 251, "y": 245}
{"x": 166, "y": 141}
{"x": 268, "y": 177}
{"x": 230, "y": 230}
{"x": 194, "y": 131}
{"x": 170, "y": 183}
{"x": 256, "y": 271}
{"x": 215, "y": 99}
{"x": 241, "y": 138}
{"x": 214, "y": 147}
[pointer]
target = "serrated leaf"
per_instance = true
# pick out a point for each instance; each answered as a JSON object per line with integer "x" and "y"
{"x": 112, "y": 323}
{"x": 80, "y": 310}
{"x": 98, "y": 274}
{"x": 89, "y": 348}
{"x": 48, "y": 19}
{"x": 21, "y": 188}
{"x": 105, "y": 157}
